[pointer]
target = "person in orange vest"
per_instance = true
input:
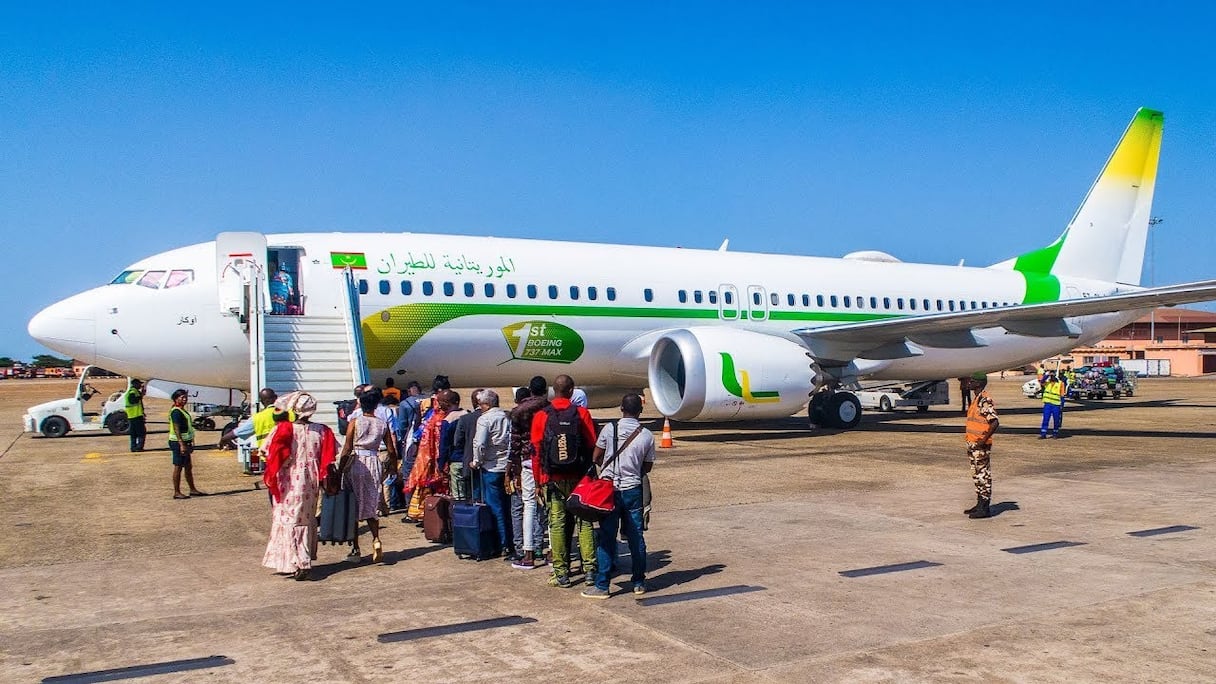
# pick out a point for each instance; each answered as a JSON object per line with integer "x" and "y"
{"x": 982, "y": 423}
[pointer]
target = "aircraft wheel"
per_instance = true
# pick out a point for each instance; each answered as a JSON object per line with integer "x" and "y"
{"x": 922, "y": 409}
{"x": 884, "y": 405}
{"x": 845, "y": 410}
{"x": 55, "y": 426}
{"x": 118, "y": 424}
{"x": 818, "y": 410}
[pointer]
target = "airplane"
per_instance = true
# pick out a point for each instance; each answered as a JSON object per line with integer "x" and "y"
{"x": 715, "y": 335}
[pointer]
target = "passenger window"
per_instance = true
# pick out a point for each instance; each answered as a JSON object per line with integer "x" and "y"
{"x": 362, "y": 286}
{"x": 774, "y": 298}
{"x": 972, "y": 305}
{"x": 407, "y": 288}
{"x": 682, "y": 296}
{"x": 791, "y": 300}
{"x": 592, "y": 293}
{"x": 886, "y": 303}
{"x": 512, "y": 291}
{"x": 873, "y": 302}
{"x": 848, "y": 302}
{"x": 951, "y": 302}
{"x": 552, "y": 292}
{"x": 819, "y": 300}
{"x": 713, "y": 296}
{"x": 728, "y": 298}
{"x": 756, "y": 298}
{"x": 531, "y": 292}
{"x": 151, "y": 279}
{"x": 983, "y": 305}
{"x": 611, "y": 292}
{"x": 648, "y": 294}
{"x": 696, "y": 296}
{"x": 385, "y": 287}
{"x": 574, "y": 292}
{"x": 940, "y": 306}
{"x": 833, "y": 301}
{"x": 179, "y": 278}
{"x": 899, "y": 303}
{"x": 489, "y": 289}
{"x": 912, "y": 304}
{"x": 449, "y": 289}
{"x": 428, "y": 288}
{"x": 806, "y": 301}
{"x": 925, "y": 303}
{"x": 861, "y": 302}
{"x": 469, "y": 289}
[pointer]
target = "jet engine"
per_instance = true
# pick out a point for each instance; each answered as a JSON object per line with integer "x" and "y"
{"x": 707, "y": 374}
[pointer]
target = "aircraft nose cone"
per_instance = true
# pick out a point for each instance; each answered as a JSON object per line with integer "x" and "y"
{"x": 68, "y": 327}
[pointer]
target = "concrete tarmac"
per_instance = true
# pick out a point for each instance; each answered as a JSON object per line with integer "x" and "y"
{"x": 775, "y": 555}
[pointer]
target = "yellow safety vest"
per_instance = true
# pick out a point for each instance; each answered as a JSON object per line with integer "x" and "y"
{"x": 134, "y": 404}
{"x": 263, "y": 424}
{"x": 1052, "y": 392}
{"x": 173, "y": 435}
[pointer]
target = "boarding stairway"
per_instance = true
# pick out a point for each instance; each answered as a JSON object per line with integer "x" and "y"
{"x": 318, "y": 353}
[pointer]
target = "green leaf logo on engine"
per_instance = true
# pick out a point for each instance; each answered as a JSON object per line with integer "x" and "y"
{"x": 740, "y": 385}
{"x": 543, "y": 341}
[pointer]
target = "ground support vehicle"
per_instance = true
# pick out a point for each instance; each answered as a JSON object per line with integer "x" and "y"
{"x": 920, "y": 395}
{"x": 57, "y": 418}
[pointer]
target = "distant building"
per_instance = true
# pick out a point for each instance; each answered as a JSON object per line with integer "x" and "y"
{"x": 1184, "y": 337}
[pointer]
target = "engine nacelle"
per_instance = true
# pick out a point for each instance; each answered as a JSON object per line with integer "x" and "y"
{"x": 705, "y": 374}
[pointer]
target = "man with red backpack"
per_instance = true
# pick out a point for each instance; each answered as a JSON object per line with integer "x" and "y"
{"x": 563, "y": 440}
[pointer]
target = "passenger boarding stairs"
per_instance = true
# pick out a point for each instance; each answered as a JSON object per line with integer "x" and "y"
{"x": 318, "y": 353}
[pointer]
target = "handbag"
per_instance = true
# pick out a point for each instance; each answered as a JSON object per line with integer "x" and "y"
{"x": 593, "y": 498}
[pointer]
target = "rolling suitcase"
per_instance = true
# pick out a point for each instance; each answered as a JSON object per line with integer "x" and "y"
{"x": 338, "y": 522}
{"x": 437, "y": 518}
{"x": 474, "y": 534}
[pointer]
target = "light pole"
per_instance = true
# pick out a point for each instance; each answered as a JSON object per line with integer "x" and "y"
{"x": 1152, "y": 278}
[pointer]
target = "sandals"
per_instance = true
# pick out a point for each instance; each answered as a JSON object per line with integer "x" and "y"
{"x": 301, "y": 575}
{"x": 181, "y": 496}
{"x": 377, "y": 551}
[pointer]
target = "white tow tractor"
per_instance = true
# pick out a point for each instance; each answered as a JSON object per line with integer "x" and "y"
{"x": 921, "y": 395}
{"x": 57, "y": 418}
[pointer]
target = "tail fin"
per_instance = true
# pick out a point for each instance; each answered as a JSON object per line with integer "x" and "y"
{"x": 1106, "y": 237}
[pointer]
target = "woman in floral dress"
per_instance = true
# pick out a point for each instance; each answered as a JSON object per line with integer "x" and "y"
{"x": 298, "y": 455}
{"x": 361, "y": 454}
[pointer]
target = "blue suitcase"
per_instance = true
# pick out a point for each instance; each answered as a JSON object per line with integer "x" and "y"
{"x": 474, "y": 534}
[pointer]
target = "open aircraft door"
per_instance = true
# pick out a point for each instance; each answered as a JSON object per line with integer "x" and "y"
{"x": 239, "y": 260}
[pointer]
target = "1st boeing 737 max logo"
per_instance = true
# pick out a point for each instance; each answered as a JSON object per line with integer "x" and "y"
{"x": 740, "y": 385}
{"x": 543, "y": 341}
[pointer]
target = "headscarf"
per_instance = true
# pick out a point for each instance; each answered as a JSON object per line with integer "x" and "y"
{"x": 302, "y": 404}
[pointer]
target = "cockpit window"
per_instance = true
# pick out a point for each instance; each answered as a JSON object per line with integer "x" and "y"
{"x": 126, "y": 277}
{"x": 151, "y": 279}
{"x": 178, "y": 278}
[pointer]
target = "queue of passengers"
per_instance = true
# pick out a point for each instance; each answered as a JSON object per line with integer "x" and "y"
{"x": 401, "y": 449}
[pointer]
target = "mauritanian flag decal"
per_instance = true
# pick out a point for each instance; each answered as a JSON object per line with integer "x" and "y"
{"x": 355, "y": 260}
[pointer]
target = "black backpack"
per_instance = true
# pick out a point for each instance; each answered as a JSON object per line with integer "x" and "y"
{"x": 561, "y": 448}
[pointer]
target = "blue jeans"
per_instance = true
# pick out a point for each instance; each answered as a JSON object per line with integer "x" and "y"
{"x": 493, "y": 488}
{"x": 626, "y": 517}
{"x": 1054, "y": 414}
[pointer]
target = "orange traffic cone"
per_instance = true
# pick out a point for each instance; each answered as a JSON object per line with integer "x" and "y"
{"x": 665, "y": 439}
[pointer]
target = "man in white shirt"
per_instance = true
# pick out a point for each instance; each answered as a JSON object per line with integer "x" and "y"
{"x": 491, "y": 452}
{"x": 627, "y": 451}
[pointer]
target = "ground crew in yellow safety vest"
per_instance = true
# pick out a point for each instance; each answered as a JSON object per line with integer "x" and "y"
{"x": 982, "y": 423}
{"x": 1053, "y": 406}
{"x": 133, "y": 406}
{"x": 181, "y": 444}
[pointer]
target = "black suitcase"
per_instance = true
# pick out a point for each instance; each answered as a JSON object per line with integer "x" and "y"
{"x": 338, "y": 522}
{"x": 474, "y": 534}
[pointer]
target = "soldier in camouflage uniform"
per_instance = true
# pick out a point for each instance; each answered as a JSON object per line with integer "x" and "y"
{"x": 982, "y": 422}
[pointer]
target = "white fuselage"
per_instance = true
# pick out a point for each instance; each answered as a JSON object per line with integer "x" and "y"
{"x": 490, "y": 311}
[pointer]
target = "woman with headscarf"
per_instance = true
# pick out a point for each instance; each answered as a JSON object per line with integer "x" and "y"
{"x": 299, "y": 454}
{"x": 361, "y": 454}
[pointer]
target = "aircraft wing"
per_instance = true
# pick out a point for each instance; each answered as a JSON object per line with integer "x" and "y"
{"x": 890, "y": 338}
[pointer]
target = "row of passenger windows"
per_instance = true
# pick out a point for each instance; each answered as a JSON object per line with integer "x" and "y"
{"x": 842, "y": 301}
{"x": 592, "y": 293}
{"x": 511, "y": 290}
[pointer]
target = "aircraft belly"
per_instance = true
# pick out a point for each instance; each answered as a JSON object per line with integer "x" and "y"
{"x": 1002, "y": 351}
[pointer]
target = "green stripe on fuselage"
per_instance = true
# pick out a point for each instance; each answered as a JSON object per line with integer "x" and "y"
{"x": 386, "y": 341}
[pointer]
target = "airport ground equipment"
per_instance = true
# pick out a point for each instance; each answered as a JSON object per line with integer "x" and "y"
{"x": 920, "y": 395}
{"x": 61, "y": 416}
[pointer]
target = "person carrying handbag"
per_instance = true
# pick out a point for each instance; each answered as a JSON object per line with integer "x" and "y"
{"x": 633, "y": 456}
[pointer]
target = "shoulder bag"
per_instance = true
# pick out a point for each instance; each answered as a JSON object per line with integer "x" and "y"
{"x": 593, "y": 497}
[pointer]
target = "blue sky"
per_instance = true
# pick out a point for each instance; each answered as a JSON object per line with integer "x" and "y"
{"x": 936, "y": 131}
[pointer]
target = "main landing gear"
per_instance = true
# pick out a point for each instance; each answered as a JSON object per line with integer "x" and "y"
{"x": 835, "y": 409}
